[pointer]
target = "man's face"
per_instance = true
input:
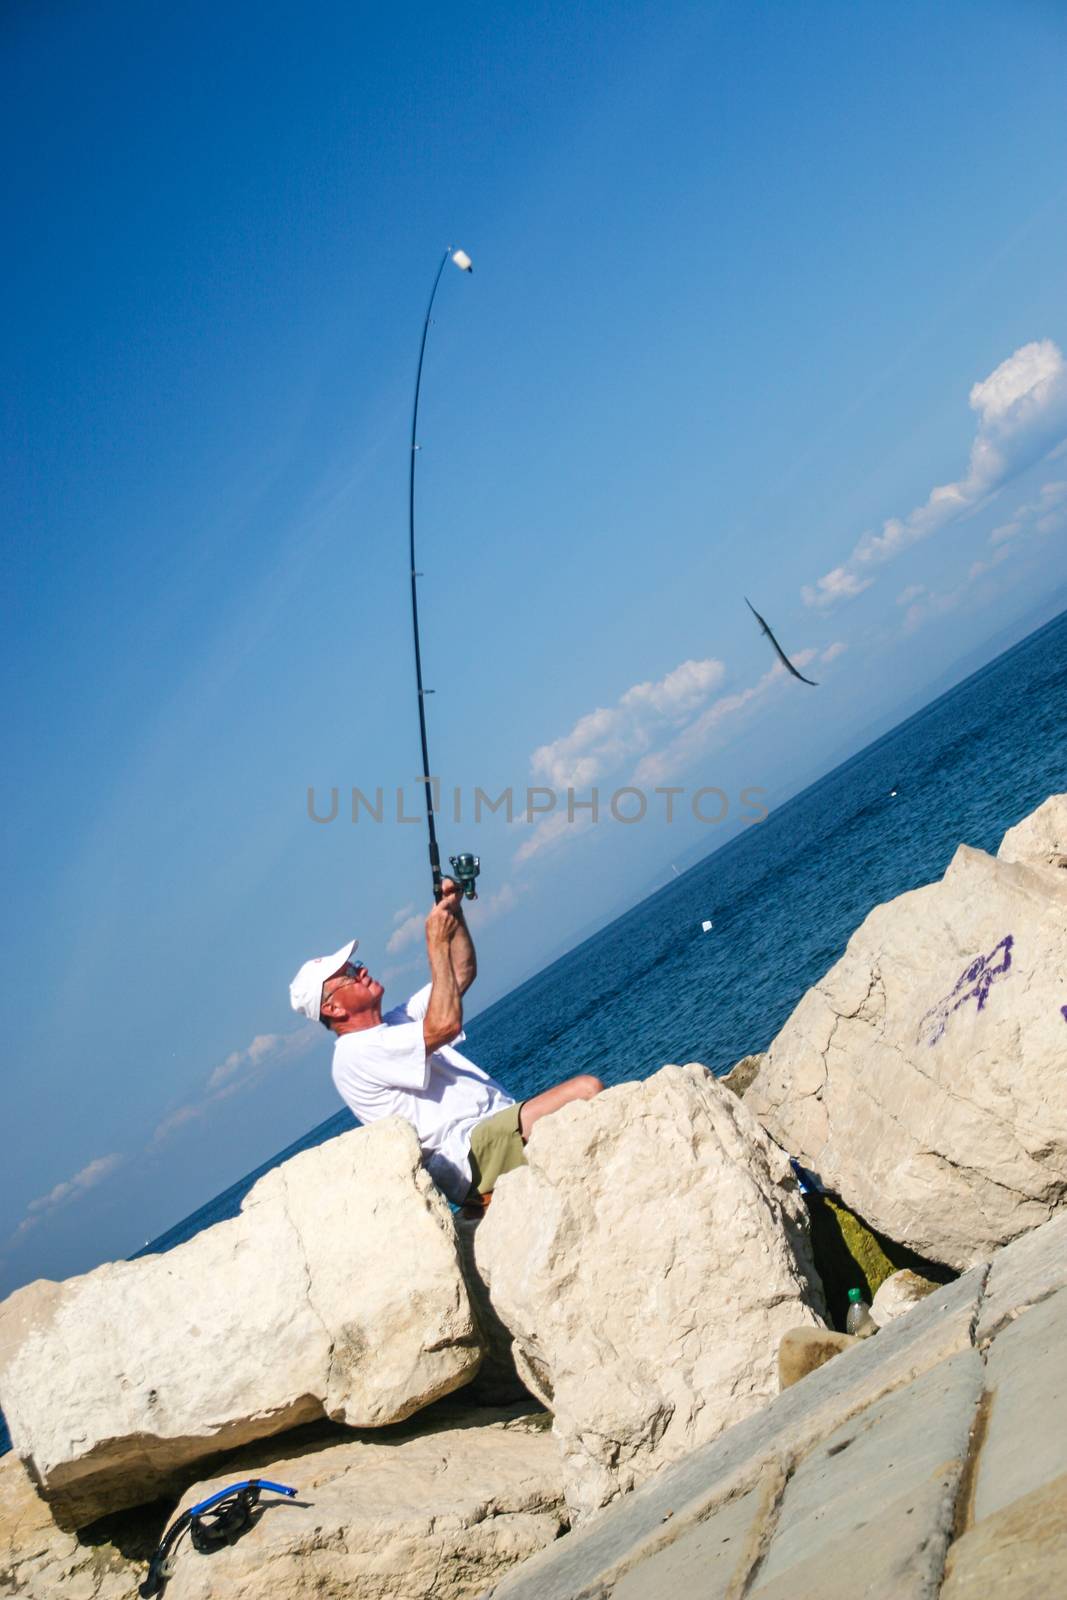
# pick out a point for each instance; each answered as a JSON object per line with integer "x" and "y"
{"x": 352, "y": 989}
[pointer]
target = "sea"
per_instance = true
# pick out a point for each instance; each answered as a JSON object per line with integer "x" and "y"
{"x": 783, "y": 898}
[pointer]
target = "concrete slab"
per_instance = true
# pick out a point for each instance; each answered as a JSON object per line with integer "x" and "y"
{"x": 1023, "y": 1274}
{"x": 870, "y": 1510}
{"x": 1025, "y": 1443}
{"x": 703, "y": 1560}
{"x": 1019, "y": 1553}
{"x": 600, "y": 1551}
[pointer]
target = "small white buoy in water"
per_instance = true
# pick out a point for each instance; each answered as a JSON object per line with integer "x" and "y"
{"x": 705, "y": 927}
{"x": 892, "y": 794}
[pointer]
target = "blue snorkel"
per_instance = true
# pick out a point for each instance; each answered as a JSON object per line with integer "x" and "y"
{"x": 211, "y": 1523}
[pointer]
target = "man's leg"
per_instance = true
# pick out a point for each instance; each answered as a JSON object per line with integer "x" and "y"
{"x": 583, "y": 1087}
{"x": 487, "y": 1146}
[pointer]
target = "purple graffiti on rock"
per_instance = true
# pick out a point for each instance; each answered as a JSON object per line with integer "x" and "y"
{"x": 973, "y": 984}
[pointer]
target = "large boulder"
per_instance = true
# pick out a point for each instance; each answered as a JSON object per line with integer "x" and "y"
{"x": 445, "y": 1511}
{"x": 922, "y": 1077}
{"x": 39, "y": 1561}
{"x": 648, "y": 1260}
{"x": 337, "y": 1291}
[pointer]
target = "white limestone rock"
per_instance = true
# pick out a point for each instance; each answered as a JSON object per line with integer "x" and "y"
{"x": 805, "y": 1350}
{"x": 39, "y": 1561}
{"x": 1039, "y": 840}
{"x": 337, "y": 1291}
{"x": 898, "y": 1293}
{"x": 923, "y": 1076}
{"x": 648, "y": 1261}
{"x": 445, "y": 1512}
{"x": 741, "y": 1075}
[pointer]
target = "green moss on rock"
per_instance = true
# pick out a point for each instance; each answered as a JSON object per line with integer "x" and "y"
{"x": 849, "y": 1254}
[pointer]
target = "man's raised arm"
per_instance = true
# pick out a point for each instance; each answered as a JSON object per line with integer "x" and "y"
{"x": 443, "y": 1021}
{"x": 464, "y": 960}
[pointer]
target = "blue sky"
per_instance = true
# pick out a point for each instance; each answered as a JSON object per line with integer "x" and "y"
{"x": 767, "y": 301}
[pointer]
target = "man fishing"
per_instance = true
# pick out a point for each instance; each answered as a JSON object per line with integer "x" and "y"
{"x": 403, "y": 1063}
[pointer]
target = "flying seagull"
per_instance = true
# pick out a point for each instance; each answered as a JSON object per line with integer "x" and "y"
{"x": 783, "y": 658}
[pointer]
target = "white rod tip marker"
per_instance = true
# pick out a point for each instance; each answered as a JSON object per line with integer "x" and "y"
{"x": 462, "y": 260}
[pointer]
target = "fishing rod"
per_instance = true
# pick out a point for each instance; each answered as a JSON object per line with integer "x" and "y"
{"x": 465, "y": 867}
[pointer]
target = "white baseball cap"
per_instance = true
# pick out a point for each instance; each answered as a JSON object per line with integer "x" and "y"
{"x": 305, "y": 991}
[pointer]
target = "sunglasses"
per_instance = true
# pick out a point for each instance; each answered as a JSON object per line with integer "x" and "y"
{"x": 350, "y": 970}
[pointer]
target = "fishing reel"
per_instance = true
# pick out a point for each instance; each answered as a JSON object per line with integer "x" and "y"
{"x": 465, "y": 868}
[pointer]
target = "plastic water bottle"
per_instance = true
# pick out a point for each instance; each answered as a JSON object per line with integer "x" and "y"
{"x": 859, "y": 1320}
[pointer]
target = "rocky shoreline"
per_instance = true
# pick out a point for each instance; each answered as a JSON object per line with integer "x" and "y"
{"x": 451, "y": 1398}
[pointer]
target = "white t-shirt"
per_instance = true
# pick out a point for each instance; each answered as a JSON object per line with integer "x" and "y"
{"x": 386, "y": 1072}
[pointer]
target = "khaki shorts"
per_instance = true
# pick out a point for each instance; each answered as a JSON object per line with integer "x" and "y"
{"x": 496, "y": 1148}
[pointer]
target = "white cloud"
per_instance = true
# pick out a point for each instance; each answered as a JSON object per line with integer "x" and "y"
{"x": 238, "y": 1060}
{"x": 840, "y": 584}
{"x": 82, "y": 1181}
{"x": 911, "y": 593}
{"x": 680, "y": 692}
{"x": 695, "y": 740}
{"x": 242, "y": 1069}
{"x": 977, "y": 568}
{"x": 930, "y": 605}
{"x": 1054, "y": 512}
{"x": 549, "y": 832}
{"x": 688, "y": 737}
{"x": 1046, "y": 514}
{"x": 175, "y": 1120}
{"x": 408, "y": 933}
{"x": 65, "y": 1193}
{"x": 665, "y": 726}
{"x": 603, "y": 739}
{"x": 497, "y": 904}
{"x": 403, "y": 914}
{"x": 1022, "y": 417}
